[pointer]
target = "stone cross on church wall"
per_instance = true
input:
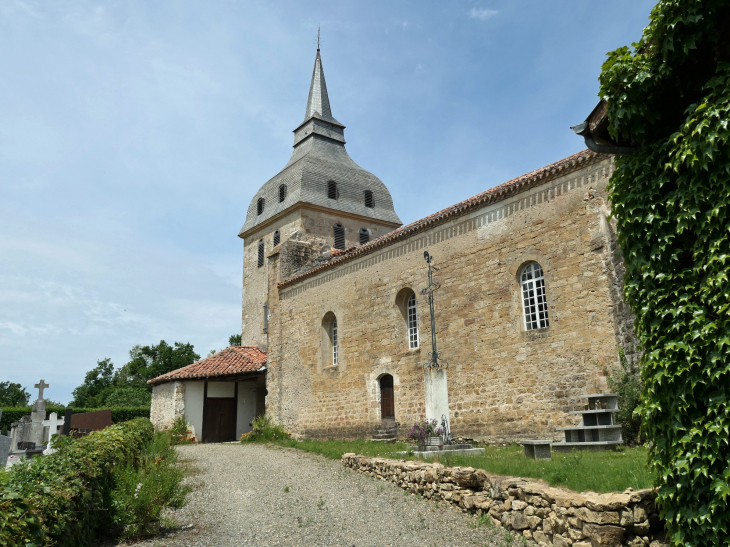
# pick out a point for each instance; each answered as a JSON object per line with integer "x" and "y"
{"x": 41, "y": 386}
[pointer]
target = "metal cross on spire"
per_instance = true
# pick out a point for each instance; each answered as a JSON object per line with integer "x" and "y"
{"x": 317, "y": 38}
{"x": 434, "y": 357}
{"x": 41, "y": 386}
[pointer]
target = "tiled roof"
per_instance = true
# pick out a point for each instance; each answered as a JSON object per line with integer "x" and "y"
{"x": 227, "y": 362}
{"x": 493, "y": 195}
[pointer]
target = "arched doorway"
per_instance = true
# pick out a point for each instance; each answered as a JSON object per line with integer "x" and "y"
{"x": 387, "y": 402}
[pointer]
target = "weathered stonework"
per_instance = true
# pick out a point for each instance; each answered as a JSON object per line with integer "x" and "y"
{"x": 549, "y": 516}
{"x": 504, "y": 383}
{"x": 168, "y": 402}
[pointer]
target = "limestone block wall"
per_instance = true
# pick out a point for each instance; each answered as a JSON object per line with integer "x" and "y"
{"x": 168, "y": 402}
{"x": 549, "y": 516}
{"x": 504, "y": 382}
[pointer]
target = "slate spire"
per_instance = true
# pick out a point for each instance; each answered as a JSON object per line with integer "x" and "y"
{"x": 318, "y": 101}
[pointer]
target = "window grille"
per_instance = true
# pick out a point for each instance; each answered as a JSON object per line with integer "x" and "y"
{"x": 334, "y": 342}
{"x": 332, "y": 190}
{"x": 412, "y": 322}
{"x": 364, "y": 236}
{"x": 339, "y": 232}
{"x": 282, "y": 193}
{"x": 261, "y": 252}
{"x": 277, "y": 238}
{"x": 534, "y": 302}
{"x": 260, "y": 206}
{"x": 369, "y": 201}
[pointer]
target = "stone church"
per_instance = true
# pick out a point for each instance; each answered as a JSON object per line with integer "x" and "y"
{"x": 529, "y": 314}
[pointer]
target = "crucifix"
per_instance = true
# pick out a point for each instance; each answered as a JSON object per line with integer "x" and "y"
{"x": 41, "y": 386}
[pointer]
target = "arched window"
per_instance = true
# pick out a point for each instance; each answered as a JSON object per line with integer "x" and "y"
{"x": 260, "y": 206}
{"x": 335, "y": 348}
{"x": 412, "y": 320}
{"x": 363, "y": 235}
{"x": 339, "y": 233}
{"x": 261, "y": 252}
{"x": 277, "y": 238}
{"x": 369, "y": 201}
{"x": 282, "y": 193}
{"x": 534, "y": 303}
{"x": 332, "y": 190}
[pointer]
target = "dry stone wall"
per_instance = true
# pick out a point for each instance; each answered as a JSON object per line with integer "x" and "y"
{"x": 547, "y": 515}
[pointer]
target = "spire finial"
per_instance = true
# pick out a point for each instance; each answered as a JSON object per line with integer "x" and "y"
{"x": 318, "y": 38}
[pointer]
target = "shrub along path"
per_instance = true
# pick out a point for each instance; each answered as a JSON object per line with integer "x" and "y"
{"x": 252, "y": 494}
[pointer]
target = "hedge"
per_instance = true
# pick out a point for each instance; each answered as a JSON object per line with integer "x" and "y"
{"x": 13, "y": 414}
{"x": 65, "y": 499}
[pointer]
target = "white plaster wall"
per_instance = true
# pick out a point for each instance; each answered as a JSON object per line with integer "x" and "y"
{"x": 222, "y": 390}
{"x": 194, "y": 407}
{"x": 246, "y": 408}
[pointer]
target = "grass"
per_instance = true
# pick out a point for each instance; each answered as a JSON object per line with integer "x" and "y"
{"x": 610, "y": 471}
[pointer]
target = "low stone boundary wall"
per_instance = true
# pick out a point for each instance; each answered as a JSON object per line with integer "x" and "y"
{"x": 547, "y": 515}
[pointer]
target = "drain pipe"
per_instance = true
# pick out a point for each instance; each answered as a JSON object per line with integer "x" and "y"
{"x": 614, "y": 149}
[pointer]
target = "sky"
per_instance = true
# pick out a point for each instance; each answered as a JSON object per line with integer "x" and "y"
{"x": 134, "y": 134}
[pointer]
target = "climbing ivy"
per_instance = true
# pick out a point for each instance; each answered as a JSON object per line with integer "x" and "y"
{"x": 669, "y": 97}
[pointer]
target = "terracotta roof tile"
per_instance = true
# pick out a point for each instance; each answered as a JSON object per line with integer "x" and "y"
{"x": 227, "y": 362}
{"x": 493, "y": 195}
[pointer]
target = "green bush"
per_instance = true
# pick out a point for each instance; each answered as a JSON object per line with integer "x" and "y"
{"x": 143, "y": 492}
{"x": 124, "y": 414}
{"x": 19, "y": 525}
{"x": 264, "y": 429}
{"x": 70, "y": 491}
{"x": 627, "y": 385}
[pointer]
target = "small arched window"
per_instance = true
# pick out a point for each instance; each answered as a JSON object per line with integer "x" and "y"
{"x": 335, "y": 347}
{"x": 332, "y": 190}
{"x": 412, "y": 314}
{"x": 260, "y": 206}
{"x": 369, "y": 201}
{"x": 534, "y": 303}
{"x": 261, "y": 252}
{"x": 339, "y": 233}
{"x": 277, "y": 238}
{"x": 363, "y": 236}
{"x": 282, "y": 193}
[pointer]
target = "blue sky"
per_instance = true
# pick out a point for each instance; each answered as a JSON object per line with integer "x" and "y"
{"x": 133, "y": 135}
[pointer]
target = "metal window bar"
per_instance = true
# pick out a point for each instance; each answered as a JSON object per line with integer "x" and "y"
{"x": 339, "y": 233}
{"x": 261, "y": 252}
{"x": 412, "y": 322}
{"x": 282, "y": 193}
{"x": 364, "y": 236}
{"x": 334, "y": 342}
{"x": 277, "y": 238}
{"x": 266, "y": 318}
{"x": 533, "y": 297}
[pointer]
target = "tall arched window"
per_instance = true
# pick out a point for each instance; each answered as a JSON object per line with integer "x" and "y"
{"x": 363, "y": 236}
{"x": 335, "y": 347}
{"x": 277, "y": 238}
{"x": 332, "y": 190}
{"x": 369, "y": 201}
{"x": 282, "y": 193}
{"x": 412, "y": 319}
{"x": 534, "y": 303}
{"x": 260, "y": 206}
{"x": 339, "y": 235}
{"x": 261, "y": 252}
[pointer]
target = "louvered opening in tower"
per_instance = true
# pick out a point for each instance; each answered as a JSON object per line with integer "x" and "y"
{"x": 363, "y": 236}
{"x": 277, "y": 238}
{"x": 332, "y": 190}
{"x": 261, "y": 253}
{"x": 282, "y": 193}
{"x": 369, "y": 201}
{"x": 339, "y": 232}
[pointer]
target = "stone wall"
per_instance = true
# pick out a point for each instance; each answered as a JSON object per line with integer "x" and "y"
{"x": 168, "y": 402}
{"x": 549, "y": 516}
{"x": 504, "y": 383}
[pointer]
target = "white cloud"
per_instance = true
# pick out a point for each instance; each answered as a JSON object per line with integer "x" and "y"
{"x": 482, "y": 13}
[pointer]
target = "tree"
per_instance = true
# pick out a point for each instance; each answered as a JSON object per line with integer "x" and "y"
{"x": 12, "y": 394}
{"x": 147, "y": 362}
{"x": 97, "y": 383}
{"x": 669, "y": 98}
{"x": 234, "y": 340}
{"x": 127, "y": 397}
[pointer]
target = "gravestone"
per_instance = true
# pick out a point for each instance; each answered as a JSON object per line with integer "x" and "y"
{"x": 95, "y": 421}
{"x": 29, "y": 429}
{"x": 4, "y": 446}
{"x": 53, "y": 424}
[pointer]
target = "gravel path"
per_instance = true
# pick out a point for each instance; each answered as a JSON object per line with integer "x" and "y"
{"x": 256, "y": 495}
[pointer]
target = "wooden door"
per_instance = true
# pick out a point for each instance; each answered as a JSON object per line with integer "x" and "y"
{"x": 220, "y": 420}
{"x": 387, "y": 401}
